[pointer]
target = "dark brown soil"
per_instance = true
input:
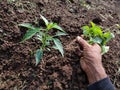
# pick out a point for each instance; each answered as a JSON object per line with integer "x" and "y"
{"x": 17, "y": 63}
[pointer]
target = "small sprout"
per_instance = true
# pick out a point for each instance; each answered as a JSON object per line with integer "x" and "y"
{"x": 96, "y": 35}
{"x": 42, "y": 34}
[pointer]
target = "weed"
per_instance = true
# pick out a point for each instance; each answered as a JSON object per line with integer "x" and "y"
{"x": 96, "y": 35}
{"x": 42, "y": 34}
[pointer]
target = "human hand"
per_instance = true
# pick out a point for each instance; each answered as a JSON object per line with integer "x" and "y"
{"x": 91, "y": 61}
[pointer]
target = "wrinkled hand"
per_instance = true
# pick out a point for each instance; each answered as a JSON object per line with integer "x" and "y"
{"x": 91, "y": 61}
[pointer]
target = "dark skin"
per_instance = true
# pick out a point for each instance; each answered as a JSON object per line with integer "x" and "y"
{"x": 91, "y": 62}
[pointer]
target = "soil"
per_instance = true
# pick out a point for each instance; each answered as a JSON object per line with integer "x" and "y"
{"x": 17, "y": 62}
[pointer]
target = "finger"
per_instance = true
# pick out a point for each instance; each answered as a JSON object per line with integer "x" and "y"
{"x": 82, "y": 42}
{"x": 82, "y": 36}
{"x": 78, "y": 52}
{"x": 82, "y": 63}
{"x": 97, "y": 46}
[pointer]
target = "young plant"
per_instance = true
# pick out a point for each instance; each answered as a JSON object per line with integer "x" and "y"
{"x": 42, "y": 34}
{"x": 96, "y": 35}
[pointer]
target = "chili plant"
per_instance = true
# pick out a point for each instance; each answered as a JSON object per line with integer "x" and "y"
{"x": 96, "y": 35}
{"x": 43, "y": 35}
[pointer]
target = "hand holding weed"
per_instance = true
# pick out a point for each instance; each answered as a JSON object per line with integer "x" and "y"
{"x": 91, "y": 61}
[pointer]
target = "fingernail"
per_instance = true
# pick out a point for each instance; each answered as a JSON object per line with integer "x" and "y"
{"x": 78, "y": 37}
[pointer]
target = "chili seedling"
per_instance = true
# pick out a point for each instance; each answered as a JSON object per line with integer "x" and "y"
{"x": 42, "y": 34}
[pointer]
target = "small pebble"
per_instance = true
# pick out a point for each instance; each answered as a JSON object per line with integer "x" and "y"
{"x": 1, "y": 30}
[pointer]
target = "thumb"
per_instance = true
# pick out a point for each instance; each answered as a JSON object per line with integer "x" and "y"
{"x": 83, "y": 64}
{"x": 82, "y": 42}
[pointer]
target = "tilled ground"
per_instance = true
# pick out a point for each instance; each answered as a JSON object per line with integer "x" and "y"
{"x": 17, "y": 63}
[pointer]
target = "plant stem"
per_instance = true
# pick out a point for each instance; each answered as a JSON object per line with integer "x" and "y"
{"x": 44, "y": 40}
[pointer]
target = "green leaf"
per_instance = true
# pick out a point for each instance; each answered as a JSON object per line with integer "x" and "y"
{"x": 86, "y": 30}
{"x": 45, "y": 20}
{"x": 61, "y": 34}
{"x": 92, "y": 24}
{"x": 48, "y": 49}
{"x": 112, "y": 35}
{"x": 47, "y": 43}
{"x": 39, "y": 36}
{"x": 108, "y": 36}
{"x": 30, "y": 33}
{"x": 59, "y": 46}
{"x": 38, "y": 56}
{"x": 105, "y": 49}
{"x": 57, "y": 27}
{"x": 97, "y": 31}
{"x": 26, "y": 25}
{"x": 96, "y": 40}
{"x": 55, "y": 47}
{"x": 48, "y": 37}
{"x": 50, "y": 26}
